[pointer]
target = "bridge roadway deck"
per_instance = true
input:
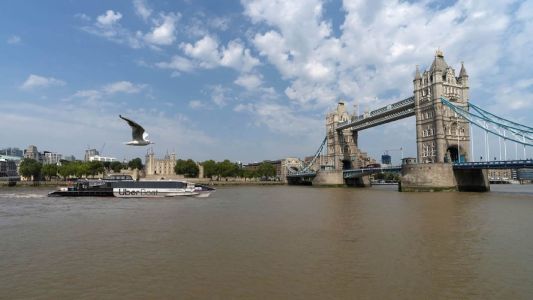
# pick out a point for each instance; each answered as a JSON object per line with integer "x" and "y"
{"x": 385, "y": 114}
{"x": 353, "y": 173}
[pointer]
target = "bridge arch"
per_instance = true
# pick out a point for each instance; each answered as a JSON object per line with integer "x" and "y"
{"x": 455, "y": 153}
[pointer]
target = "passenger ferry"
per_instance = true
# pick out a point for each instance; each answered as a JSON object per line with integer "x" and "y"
{"x": 123, "y": 186}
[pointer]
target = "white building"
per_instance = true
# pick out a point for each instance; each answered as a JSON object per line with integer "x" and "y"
{"x": 101, "y": 158}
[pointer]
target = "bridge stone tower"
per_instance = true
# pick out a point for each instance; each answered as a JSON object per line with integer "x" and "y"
{"x": 342, "y": 150}
{"x": 441, "y": 136}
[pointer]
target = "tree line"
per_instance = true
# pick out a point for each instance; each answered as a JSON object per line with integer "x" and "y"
{"x": 31, "y": 168}
{"x": 225, "y": 168}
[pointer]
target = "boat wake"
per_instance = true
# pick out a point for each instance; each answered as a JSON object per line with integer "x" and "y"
{"x": 21, "y": 196}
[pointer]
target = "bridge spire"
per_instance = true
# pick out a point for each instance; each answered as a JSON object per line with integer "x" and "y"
{"x": 463, "y": 73}
{"x": 417, "y": 73}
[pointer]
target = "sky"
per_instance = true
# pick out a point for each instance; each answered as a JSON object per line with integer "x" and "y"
{"x": 244, "y": 80}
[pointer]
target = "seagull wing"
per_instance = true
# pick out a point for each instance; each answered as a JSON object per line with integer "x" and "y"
{"x": 136, "y": 129}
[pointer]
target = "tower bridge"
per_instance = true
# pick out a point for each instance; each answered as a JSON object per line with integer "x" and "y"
{"x": 440, "y": 104}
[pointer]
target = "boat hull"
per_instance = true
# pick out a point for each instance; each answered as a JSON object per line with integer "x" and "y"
{"x": 132, "y": 189}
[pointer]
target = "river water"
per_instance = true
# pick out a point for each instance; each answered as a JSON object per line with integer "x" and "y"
{"x": 272, "y": 242}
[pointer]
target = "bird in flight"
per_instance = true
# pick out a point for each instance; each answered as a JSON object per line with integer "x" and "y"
{"x": 139, "y": 137}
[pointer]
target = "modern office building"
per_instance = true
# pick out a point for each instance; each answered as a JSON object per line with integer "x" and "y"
{"x": 12, "y": 151}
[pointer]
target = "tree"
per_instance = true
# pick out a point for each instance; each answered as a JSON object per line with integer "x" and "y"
{"x": 135, "y": 163}
{"x": 81, "y": 169}
{"x": 188, "y": 168}
{"x": 210, "y": 168}
{"x": 94, "y": 168}
{"x": 248, "y": 173}
{"x": 266, "y": 169}
{"x": 49, "y": 170}
{"x": 116, "y": 166}
{"x": 30, "y": 168}
{"x": 227, "y": 169}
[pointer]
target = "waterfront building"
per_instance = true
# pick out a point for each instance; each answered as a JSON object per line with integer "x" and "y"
{"x": 32, "y": 153}
{"x": 154, "y": 166}
{"x": 9, "y": 165}
{"x": 89, "y": 153}
{"x": 501, "y": 175}
{"x": 101, "y": 158}
{"x": 51, "y": 158}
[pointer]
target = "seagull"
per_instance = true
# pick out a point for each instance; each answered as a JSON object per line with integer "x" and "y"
{"x": 137, "y": 133}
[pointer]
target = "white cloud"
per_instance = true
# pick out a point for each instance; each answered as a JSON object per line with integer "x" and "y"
{"x": 379, "y": 44}
{"x": 162, "y": 34}
{"x": 89, "y": 94}
{"x": 178, "y": 63}
{"x": 196, "y": 104}
{"x": 36, "y": 81}
{"x": 82, "y": 16}
{"x": 282, "y": 119}
{"x": 249, "y": 81}
{"x": 204, "y": 50}
{"x": 14, "y": 39}
{"x": 209, "y": 54}
{"x": 142, "y": 9}
{"x": 236, "y": 56}
{"x": 109, "y": 18}
{"x": 123, "y": 87}
{"x": 219, "y": 95}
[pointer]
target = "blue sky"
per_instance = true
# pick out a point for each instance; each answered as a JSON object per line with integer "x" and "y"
{"x": 248, "y": 80}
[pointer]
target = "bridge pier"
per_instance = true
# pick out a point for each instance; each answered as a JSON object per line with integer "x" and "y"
{"x": 363, "y": 181}
{"x": 329, "y": 178}
{"x": 442, "y": 177}
{"x": 472, "y": 180}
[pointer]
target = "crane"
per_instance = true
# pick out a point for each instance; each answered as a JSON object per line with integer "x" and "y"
{"x": 102, "y": 149}
{"x": 399, "y": 149}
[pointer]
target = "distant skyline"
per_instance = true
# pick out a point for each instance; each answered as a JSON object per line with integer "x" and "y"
{"x": 245, "y": 81}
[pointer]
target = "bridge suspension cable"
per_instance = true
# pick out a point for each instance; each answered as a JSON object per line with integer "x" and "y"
{"x": 498, "y": 126}
{"x": 306, "y": 167}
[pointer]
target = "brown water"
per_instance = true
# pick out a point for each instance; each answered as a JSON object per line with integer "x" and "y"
{"x": 269, "y": 243}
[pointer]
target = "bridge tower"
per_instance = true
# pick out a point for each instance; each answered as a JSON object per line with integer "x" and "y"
{"x": 441, "y": 135}
{"x": 342, "y": 150}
